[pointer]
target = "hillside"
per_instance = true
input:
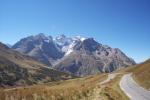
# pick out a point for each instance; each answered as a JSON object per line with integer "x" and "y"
{"x": 141, "y": 73}
{"x": 73, "y": 89}
{"x": 93, "y": 87}
{"x": 17, "y": 69}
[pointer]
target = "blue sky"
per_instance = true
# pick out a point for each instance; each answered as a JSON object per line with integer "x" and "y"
{"x": 123, "y": 24}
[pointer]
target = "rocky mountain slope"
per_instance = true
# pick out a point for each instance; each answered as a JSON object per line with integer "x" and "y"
{"x": 40, "y": 47}
{"x": 45, "y": 48}
{"x": 17, "y": 69}
{"x": 77, "y": 55}
{"x": 90, "y": 57}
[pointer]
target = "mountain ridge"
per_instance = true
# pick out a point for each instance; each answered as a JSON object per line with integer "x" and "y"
{"x": 73, "y": 54}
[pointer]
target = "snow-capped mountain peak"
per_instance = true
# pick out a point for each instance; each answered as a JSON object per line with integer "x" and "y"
{"x": 62, "y": 40}
{"x": 79, "y": 38}
{"x": 67, "y": 43}
{"x": 66, "y": 53}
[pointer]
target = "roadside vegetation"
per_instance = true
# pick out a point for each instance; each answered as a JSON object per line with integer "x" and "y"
{"x": 141, "y": 73}
{"x": 112, "y": 91}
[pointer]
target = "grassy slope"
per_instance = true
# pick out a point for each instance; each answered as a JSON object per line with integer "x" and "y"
{"x": 18, "y": 69}
{"x": 73, "y": 89}
{"x": 141, "y": 74}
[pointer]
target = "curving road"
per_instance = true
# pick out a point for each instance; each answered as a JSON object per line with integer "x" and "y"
{"x": 110, "y": 77}
{"x": 132, "y": 89}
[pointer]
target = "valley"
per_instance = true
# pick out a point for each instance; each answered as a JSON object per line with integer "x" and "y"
{"x": 74, "y": 49}
{"x": 94, "y": 87}
{"x": 90, "y": 71}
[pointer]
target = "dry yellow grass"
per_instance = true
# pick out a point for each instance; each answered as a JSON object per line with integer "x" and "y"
{"x": 74, "y": 89}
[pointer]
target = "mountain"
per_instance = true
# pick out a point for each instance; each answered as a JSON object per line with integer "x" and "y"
{"x": 62, "y": 40}
{"x": 66, "y": 44}
{"x": 40, "y": 47}
{"x": 76, "y": 55}
{"x": 90, "y": 57}
{"x": 17, "y": 69}
{"x": 9, "y": 45}
{"x": 46, "y": 49}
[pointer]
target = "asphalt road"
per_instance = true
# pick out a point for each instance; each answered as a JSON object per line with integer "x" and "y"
{"x": 132, "y": 89}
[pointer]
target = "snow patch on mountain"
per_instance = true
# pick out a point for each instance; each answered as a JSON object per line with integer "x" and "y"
{"x": 70, "y": 48}
{"x": 79, "y": 38}
{"x": 67, "y": 43}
